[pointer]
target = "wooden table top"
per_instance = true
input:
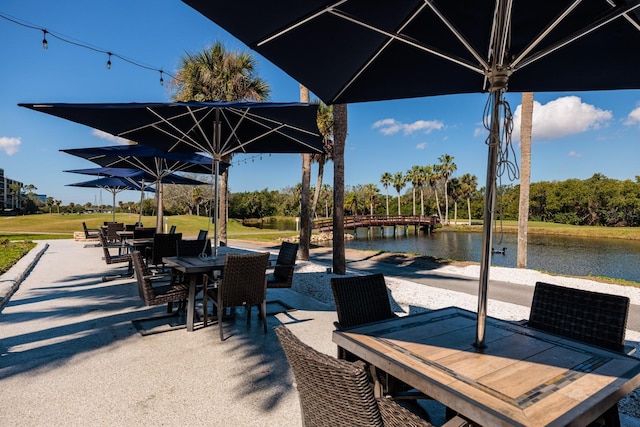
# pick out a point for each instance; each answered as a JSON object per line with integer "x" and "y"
{"x": 524, "y": 376}
{"x": 195, "y": 264}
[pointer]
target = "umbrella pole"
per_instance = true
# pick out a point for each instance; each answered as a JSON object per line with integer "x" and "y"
{"x": 160, "y": 208}
{"x": 489, "y": 204}
{"x": 216, "y": 215}
{"x": 114, "y": 207}
{"x": 141, "y": 200}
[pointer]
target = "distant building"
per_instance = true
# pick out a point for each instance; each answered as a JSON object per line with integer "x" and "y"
{"x": 9, "y": 199}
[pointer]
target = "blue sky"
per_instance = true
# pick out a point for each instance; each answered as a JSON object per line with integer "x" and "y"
{"x": 574, "y": 134}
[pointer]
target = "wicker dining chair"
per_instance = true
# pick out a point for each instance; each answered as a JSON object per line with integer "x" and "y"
{"x": 243, "y": 282}
{"x": 335, "y": 392}
{"x": 164, "y": 245}
{"x": 115, "y": 259}
{"x": 591, "y": 317}
{"x": 360, "y": 300}
{"x": 165, "y": 293}
{"x": 282, "y": 276}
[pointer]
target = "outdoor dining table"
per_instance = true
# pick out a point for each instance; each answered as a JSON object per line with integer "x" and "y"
{"x": 192, "y": 267}
{"x": 523, "y": 377}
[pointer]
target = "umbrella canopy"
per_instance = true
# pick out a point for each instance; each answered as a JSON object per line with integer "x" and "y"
{"x": 114, "y": 185}
{"x": 216, "y": 128}
{"x": 154, "y": 163}
{"x": 136, "y": 175}
{"x": 411, "y": 48}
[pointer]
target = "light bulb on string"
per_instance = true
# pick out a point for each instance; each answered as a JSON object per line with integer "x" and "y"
{"x": 109, "y": 61}
{"x": 161, "y": 79}
{"x": 45, "y": 43}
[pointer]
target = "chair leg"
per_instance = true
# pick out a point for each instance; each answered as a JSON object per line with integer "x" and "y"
{"x": 612, "y": 417}
{"x": 170, "y": 307}
{"x": 262, "y": 308}
{"x": 220, "y": 309}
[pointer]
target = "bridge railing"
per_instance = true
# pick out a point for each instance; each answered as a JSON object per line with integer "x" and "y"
{"x": 377, "y": 221}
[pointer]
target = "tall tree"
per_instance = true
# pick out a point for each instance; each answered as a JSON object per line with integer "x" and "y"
{"x": 386, "y": 180}
{"x": 446, "y": 169}
{"x": 216, "y": 74}
{"x": 325, "y": 126}
{"x": 399, "y": 181}
{"x": 413, "y": 176}
{"x": 339, "y": 142}
{"x": 526, "y": 124}
{"x": 370, "y": 194}
{"x": 433, "y": 177}
{"x": 305, "y": 212}
{"x": 469, "y": 186}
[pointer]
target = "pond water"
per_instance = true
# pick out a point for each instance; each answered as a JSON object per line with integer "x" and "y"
{"x": 574, "y": 256}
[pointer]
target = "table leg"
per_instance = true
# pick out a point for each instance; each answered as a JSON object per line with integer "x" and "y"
{"x": 191, "y": 302}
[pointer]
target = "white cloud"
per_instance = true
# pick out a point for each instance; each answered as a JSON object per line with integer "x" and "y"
{"x": 109, "y": 137}
{"x": 421, "y": 146}
{"x": 391, "y": 126}
{"x": 633, "y": 118}
{"x": 574, "y": 154}
{"x": 561, "y": 117}
{"x": 10, "y": 145}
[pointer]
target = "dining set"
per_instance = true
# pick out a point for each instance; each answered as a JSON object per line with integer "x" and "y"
{"x": 566, "y": 365}
{"x": 171, "y": 269}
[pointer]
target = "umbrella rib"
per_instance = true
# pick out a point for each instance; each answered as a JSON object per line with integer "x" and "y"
{"x": 299, "y": 23}
{"x": 606, "y": 19}
{"x": 457, "y": 33}
{"x": 406, "y": 40}
{"x": 544, "y": 34}
{"x": 181, "y": 136}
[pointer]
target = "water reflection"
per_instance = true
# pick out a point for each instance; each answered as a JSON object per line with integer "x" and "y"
{"x": 574, "y": 256}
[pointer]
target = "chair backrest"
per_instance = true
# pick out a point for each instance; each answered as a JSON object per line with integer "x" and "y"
{"x": 591, "y": 317}
{"x": 244, "y": 279}
{"x": 112, "y": 229}
{"x": 143, "y": 232}
{"x": 129, "y": 227}
{"x": 202, "y": 234}
{"x": 193, "y": 247}
{"x": 145, "y": 287}
{"x": 172, "y": 229}
{"x": 285, "y": 264}
{"x": 86, "y": 231}
{"x": 105, "y": 248}
{"x": 361, "y": 299}
{"x": 164, "y": 244}
{"x": 332, "y": 392}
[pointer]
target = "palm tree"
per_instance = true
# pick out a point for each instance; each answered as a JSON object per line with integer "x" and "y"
{"x": 456, "y": 191}
{"x": 196, "y": 198}
{"x": 216, "y": 74}
{"x": 370, "y": 193}
{"x": 339, "y": 142}
{"x": 305, "y": 213}
{"x": 325, "y": 126}
{"x": 469, "y": 186}
{"x": 399, "y": 181}
{"x": 413, "y": 176}
{"x": 446, "y": 169}
{"x": 422, "y": 180}
{"x": 526, "y": 125}
{"x": 386, "y": 179}
{"x": 432, "y": 178}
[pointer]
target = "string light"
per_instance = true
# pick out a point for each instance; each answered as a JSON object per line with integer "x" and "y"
{"x": 45, "y": 45}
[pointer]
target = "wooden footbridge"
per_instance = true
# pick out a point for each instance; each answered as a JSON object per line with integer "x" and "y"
{"x": 427, "y": 223}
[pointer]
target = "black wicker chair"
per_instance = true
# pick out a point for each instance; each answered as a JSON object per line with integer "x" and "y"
{"x": 360, "y": 300}
{"x": 338, "y": 393}
{"x": 115, "y": 259}
{"x": 243, "y": 282}
{"x": 591, "y": 317}
{"x": 282, "y": 276}
{"x": 166, "y": 293}
{"x": 164, "y": 245}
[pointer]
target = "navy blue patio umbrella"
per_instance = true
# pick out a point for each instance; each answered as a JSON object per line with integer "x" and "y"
{"x": 155, "y": 163}
{"x": 349, "y": 51}
{"x": 218, "y": 129}
{"x": 113, "y": 185}
{"x": 139, "y": 176}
